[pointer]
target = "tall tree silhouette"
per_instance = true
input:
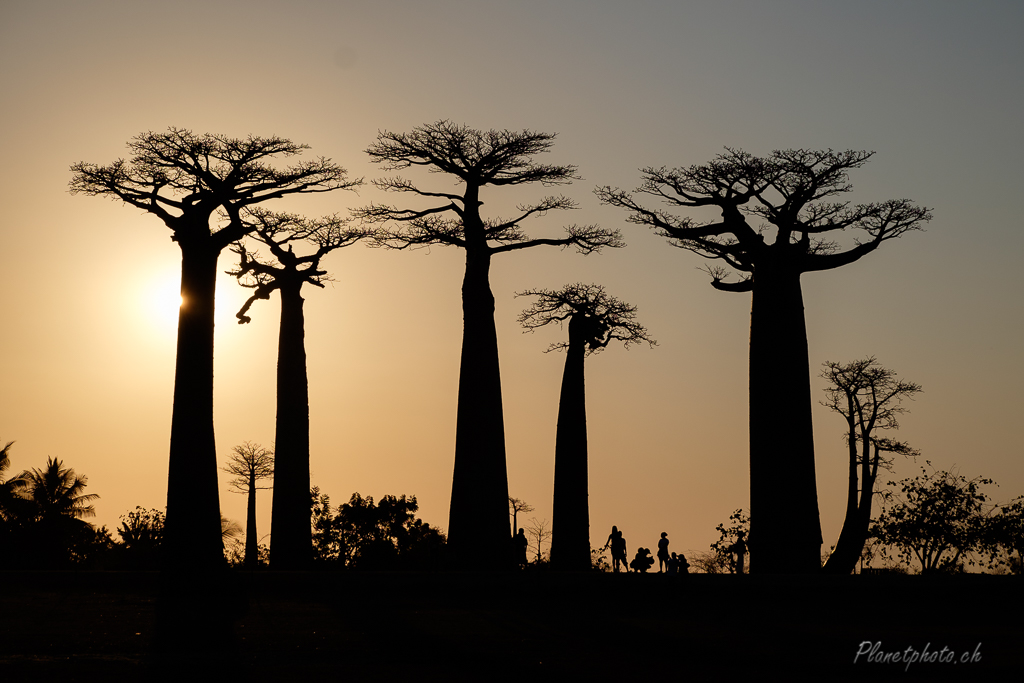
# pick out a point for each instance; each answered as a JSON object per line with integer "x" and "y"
{"x": 249, "y": 464}
{"x": 475, "y": 159}
{"x": 789, "y": 192}
{"x": 870, "y": 398}
{"x": 291, "y": 545}
{"x": 183, "y": 178}
{"x": 595, "y": 319}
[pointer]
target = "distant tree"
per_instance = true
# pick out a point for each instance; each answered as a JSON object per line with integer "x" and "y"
{"x": 11, "y": 501}
{"x": 595, "y": 319}
{"x": 791, "y": 193}
{"x": 366, "y": 535}
{"x": 515, "y": 506}
{"x": 724, "y": 558}
{"x": 870, "y": 398}
{"x": 475, "y": 159}
{"x": 1005, "y": 536}
{"x": 290, "y": 539}
{"x": 250, "y": 464}
{"x": 142, "y": 533}
{"x": 938, "y": 518}
{"x": 539, "y": 533}
{"x": 326, "y": 532}
{"x": 56, "y": 507}
{"x": 183, "y": 179}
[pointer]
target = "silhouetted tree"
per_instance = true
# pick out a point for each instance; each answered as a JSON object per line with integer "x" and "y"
{"x": 789, "y": 192}
{"x": 595, "y": 319}
{"x": 290, "y": 539}
{"x": 937, "y": 517}
{"x": 142, "y": 533}
{"x": 183, "y": 179}
{"x": 722, "y": 557}
{"x": 1005, "y": 536}
{"x": 374, "y": 536}
{"x": 54, "y": 515}
{"x": 475, "y": 159}
{"x": 249, "y": 464}
{"x": 515, "y": 506}
{"x": 540, "y": 533}
{"x": 11, "y": 501}
{"x": 870, "y": 398}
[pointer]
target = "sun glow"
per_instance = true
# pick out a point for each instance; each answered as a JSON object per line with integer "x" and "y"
{"x": 160, "y": 302}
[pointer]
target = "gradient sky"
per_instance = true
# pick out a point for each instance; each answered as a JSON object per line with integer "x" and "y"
{"x": 89, "y": 285}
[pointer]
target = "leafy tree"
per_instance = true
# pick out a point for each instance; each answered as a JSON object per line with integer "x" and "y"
{"x": 366, "y": 535}
{"x": 11, "y": 501}
{"x": 938, "y": 518}
{"x": 1005, "y": 536}
{"x": 870, "y": 398}
{"x": 790, "y": 193}
{"x": 723, "y": 558}
{"x": 475, "y": 160}
{"x": 290, "y": 537}
{"x": 52, "y": 518}
{"x": 250, "y": 464}
{"x": 595, "y": 319}
{"x": 183, "y": 179}
{"x": 142, "y": 534}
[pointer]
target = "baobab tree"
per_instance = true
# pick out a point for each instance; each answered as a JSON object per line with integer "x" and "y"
{"x": 475, "y": 159}
{"x": 870, "y": 398}
{"x": 789, "y": 193}
{"x": 595, "y": 320}
{"x": 249, "y": 464}
{"x": 291, "y": 541}
{"x": 183, "y": 179}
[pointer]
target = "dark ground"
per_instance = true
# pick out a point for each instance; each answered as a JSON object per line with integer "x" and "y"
{"x": 70, "y": 626}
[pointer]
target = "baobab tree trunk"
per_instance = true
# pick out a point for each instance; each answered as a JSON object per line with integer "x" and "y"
{"x": 843, "y": 559}
{"x": 570, "y": 522}
{"x": 252, "y": 548}
{"x": 785, "y": 532}
{"x": 192, "y": 537}
{"x": 291, "y": 541}
{"x": 478, "y": 517}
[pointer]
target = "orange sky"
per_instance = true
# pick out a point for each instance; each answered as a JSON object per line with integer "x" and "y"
{"x": 88, "y": 284}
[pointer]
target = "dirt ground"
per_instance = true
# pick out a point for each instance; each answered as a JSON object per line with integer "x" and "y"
{"x": 267, "y": 626}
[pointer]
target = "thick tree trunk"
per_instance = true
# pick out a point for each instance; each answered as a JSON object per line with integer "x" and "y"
{"x": 192, "y": 536}
{"x": 252, "y": 548}
{"x": 478, "y": 517}
{"x": 570, "y": 521}
{"x": 843, "y": 559}
{"x": 785, "y": 532}
{"x": 291, "y": 540}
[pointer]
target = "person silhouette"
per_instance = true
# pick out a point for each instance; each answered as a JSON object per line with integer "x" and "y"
{"x": 520, "y": 544}
{"x": 739, "y": 549}
{"x": 642, "y": 561}
{"x": 618, "y": 546}
{"x": 663, "y": 552}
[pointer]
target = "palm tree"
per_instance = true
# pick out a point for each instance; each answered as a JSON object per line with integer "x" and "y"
{"x": 10, "y": 489}
{"x": 56, "y": 493}
{"x": 55, "y": 506}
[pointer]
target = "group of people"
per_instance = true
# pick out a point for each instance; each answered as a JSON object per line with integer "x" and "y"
{"x": 668, "y": 563}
